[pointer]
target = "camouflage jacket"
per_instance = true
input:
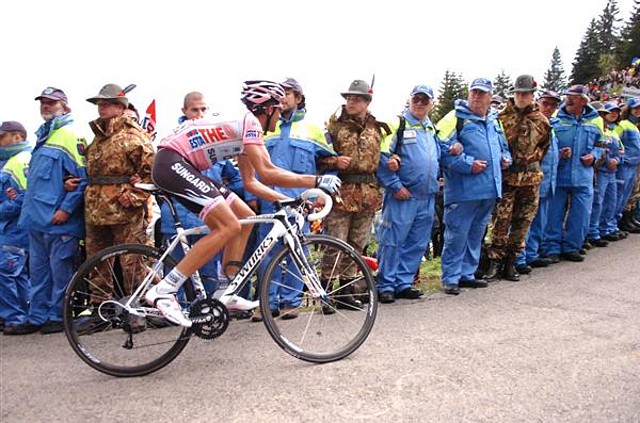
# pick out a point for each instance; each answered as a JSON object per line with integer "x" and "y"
{"x": 359, "y": 139}
{"x": 528, "y": 134}
{"x": 119, "y": 149}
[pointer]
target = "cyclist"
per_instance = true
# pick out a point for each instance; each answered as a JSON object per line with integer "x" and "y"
{"x": 196, "y": 145}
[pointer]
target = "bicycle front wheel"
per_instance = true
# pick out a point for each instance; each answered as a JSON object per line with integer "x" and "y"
{"x": 319, "y": 330}
{"x": 101, "y": 330}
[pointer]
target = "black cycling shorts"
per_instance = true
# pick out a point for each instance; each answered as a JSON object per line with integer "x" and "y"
{"x": 197, "y": 192}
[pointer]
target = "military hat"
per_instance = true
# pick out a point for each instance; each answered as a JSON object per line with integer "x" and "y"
{"x": 524, "y": 84}
{"x": 358, "y": 87}
{"x": 113, "y": 93}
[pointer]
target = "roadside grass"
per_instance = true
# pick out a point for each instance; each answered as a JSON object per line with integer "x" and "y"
{"x": 430, "y": 272}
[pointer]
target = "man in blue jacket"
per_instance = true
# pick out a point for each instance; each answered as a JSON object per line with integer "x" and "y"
{"x": 53, "y": 216}
{"x": 15, "y": 154}
{"x": 409, "y": 196}
{"x": 295, "y": 145}
{"x": 472, "y": 182}
{"x": 579, "y": 132}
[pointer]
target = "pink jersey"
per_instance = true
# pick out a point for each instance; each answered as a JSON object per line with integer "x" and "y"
{"x": 204, "y": 142}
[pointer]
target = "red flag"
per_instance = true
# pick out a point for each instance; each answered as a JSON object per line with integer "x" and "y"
{"x": 149, "y": 121}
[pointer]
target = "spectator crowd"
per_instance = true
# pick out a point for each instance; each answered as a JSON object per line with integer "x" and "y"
{"x": 496, "y": 187}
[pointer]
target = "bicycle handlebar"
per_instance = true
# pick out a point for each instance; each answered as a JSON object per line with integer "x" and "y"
{"x": 328, "y": 203}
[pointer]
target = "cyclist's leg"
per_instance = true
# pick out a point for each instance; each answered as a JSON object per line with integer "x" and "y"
{"x": 201, "y": 195}
{"x": 235, "y": 248}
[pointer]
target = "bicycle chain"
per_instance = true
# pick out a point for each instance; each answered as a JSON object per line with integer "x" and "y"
{"x": 219, "y": 322}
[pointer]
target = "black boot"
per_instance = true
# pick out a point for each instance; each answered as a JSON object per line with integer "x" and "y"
{"x": 494, "y": 270}
{"x": 345, "y": 298}
{"x": 626, "y": 225}
{"x": 510, "y": 273}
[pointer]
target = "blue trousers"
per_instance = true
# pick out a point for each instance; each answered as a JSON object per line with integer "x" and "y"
{"x": 627, "y": 179}
{"x": 14, "y": 285}
{"x": 599, "y": 220}
{"x": 536, "y": 233}
{"x": 465, "y": 225}
{"x": 286, "y": 287}
{"x": 574, "y": 204}
{"x": 51, "y": 266}
{"x": 403, "y": 238}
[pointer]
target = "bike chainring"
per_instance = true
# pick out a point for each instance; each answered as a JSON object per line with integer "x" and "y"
{"x": 216, "y": 325}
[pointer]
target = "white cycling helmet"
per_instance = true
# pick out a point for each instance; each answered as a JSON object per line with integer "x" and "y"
{"x": 260, "y": 94}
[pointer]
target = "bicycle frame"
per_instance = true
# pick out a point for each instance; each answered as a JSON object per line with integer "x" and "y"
{"x": 290, "y": 233}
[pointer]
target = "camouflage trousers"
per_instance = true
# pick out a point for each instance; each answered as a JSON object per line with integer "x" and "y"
{"x": 511, "y": 220}
{"x": 355, "y": 229}
{"x": 635, "y": 194}
{"x": 129, "y": 272}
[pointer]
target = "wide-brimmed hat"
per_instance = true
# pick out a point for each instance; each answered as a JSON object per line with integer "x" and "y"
{"x": 112, "y": 93}
{"x": 524, "y": 84}
{"x": 358, "y": 87}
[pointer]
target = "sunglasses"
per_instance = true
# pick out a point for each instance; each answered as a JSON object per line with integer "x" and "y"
{"x": 417, "y": 99}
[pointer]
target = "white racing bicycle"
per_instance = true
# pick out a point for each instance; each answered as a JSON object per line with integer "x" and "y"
{"x": 113, "y": 330}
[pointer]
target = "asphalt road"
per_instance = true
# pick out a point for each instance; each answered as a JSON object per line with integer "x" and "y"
{"x": 562, "y": 345}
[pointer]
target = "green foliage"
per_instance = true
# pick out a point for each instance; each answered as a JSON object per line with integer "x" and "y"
{"x": 585, "y": 65}
{"x": 502, "y": 85}
{"x": 554, "y": 78}
{"x": 452, "y": 88}
{"x": 629, "y": 41}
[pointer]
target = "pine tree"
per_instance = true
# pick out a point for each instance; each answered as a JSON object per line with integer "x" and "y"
{"x": 502, "y": 85}
{"x": 452, "y": 88}
{"x": 606, "y": 28}
{"x": 554, "y": 78}
{"x": 629, "y": 42}
{"x": 585, "y": 65}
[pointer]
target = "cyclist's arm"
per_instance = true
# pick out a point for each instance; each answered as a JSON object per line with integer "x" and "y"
{"x": 255, "y": 159}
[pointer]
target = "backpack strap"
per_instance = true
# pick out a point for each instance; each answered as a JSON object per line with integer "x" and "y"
{"x": 399, "y": 135}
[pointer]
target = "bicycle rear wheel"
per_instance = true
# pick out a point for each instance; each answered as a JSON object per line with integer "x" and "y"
{"x": 102, "y": 332}
{"x": 313, "y": 329}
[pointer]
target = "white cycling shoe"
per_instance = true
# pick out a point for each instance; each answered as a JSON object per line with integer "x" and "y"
{"x": 168, "y": 306}
{"x": 238, "y": 303}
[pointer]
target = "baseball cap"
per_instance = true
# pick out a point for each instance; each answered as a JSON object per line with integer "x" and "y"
{"x": 482, "y": 84}
{"x": 524, "y": 84}
{"x": 578, "y": 90}
{"x": 551, "y": 94}
{"x": 53, "y": 93}
{"x": 11, "y": 126}
{"x": 292, "y": 84}
{"x": 610, "y": 106}
{"x": 497, "y": 99}
{"x": 422, "y": 89}
{"x": 634, "y": 102}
